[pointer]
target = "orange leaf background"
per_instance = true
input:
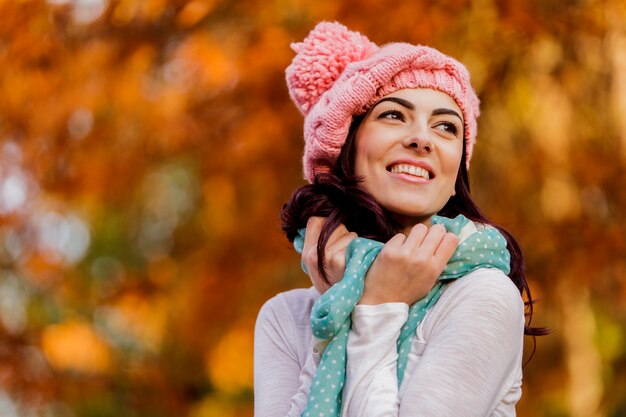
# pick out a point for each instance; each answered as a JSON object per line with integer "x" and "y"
{"x": 146, "y": 148}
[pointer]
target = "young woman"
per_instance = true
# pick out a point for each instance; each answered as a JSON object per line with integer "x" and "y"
{"x": 416, "y": 306}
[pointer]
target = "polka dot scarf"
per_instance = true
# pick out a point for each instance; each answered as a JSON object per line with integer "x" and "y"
{"x": 480, "y": 246}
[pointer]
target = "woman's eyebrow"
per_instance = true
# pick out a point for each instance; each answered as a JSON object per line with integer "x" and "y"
{"x": 411, "y": 106}
{"x": 438, "y": 112}
{"x": 398, "y": 100}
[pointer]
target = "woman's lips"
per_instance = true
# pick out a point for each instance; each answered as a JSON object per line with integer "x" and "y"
{"x": 410, "y": 170}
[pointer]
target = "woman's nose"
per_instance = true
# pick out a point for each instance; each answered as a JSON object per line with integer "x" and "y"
{"x": 419, "y": 142}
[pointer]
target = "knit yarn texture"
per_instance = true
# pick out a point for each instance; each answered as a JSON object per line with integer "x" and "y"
{"x": 480, "y": 246}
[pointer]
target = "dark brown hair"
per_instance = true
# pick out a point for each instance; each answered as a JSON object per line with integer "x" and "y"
{"x": 338, "y": 197}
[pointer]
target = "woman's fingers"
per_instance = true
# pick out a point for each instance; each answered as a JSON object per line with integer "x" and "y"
{"x": 432, "y": 241}
{"x": 337, "y": 234}
{"x": 416, "y": 236}
{"x": 334, "y": 253}
{"x": 447, "y": 246}
{"x": 336, "y": 256}
{"x": 408, "y": 266}
{"x": 313, "y": 229}
{"x": 309, "y": 252}
{"x": 421, "y": 255}
{"x": 433, "y": 238}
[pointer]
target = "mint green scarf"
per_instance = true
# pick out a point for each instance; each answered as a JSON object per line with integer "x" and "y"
{"x": 480, "y": 246}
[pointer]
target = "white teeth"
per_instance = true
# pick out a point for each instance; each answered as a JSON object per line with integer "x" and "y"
{"x": 411, "y": 170}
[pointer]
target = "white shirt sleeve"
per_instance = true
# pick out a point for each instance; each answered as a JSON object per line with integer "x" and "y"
{"x": 282, "y": 376}
{"x": 472, "y": 353}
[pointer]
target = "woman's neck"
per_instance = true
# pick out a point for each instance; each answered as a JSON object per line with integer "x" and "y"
{"x": 408, "y": 222}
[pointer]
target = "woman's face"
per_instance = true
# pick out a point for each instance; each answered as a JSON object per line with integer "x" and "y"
{"x": 408, "y": 151}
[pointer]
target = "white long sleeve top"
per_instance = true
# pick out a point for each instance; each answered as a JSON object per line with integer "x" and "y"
{"x": 465, "y": 359}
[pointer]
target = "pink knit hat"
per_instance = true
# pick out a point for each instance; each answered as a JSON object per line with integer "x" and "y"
{"x": 338, "y": 73}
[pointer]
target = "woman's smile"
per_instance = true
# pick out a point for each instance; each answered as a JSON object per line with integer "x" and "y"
{"x": 411, "y": 170}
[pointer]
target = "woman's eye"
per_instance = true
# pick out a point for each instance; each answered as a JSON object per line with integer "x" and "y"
{"x": 448, "y": 127}
{"x": 392, "y": 114}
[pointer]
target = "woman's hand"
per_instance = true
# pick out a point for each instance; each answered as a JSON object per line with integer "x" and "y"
{"x": 407, "y": 267}
{"x": 334, "y": 254}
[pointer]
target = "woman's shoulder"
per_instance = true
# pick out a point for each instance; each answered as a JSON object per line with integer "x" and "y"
{"x": 293, "y": 305}
{"x": 296, "y": 299}
{"x": 484, "y": 296}
{"x": 484, "y": 284}
{"x": 283, "y": 322}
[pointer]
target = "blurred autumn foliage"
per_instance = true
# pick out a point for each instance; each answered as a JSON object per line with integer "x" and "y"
{"x": 146, "y": 147}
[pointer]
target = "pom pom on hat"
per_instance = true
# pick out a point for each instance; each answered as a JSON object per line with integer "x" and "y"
{"x": 320, "y": 60}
